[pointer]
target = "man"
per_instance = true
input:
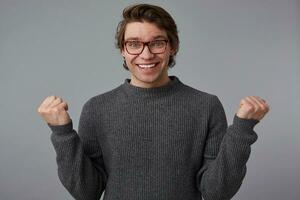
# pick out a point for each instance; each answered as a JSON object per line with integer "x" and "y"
{"x": 152, "y": 137}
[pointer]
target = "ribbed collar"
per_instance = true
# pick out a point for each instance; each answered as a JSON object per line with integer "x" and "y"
{"x": 139, "y": 92}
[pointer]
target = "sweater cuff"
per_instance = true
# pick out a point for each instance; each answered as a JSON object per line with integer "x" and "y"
{"x": 61, "y": 128}
{"x": 241, "y": 123}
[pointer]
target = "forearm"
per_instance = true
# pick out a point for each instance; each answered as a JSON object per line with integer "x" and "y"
{"x": 221, "y": 177}
{"x": 76, "y": 171}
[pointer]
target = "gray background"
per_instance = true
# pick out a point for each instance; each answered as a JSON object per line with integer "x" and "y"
{"x": 230, "y": 48}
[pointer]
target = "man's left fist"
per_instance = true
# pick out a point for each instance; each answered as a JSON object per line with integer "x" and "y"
{"x": 252, "y": 107}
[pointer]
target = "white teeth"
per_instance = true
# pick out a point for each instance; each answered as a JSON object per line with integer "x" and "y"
{"x": 146, "y": 66}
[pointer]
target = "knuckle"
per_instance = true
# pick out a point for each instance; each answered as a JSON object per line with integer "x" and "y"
{"x": 41, "y": 110}
{"x": 266, "y": 108}
{"x": 44, "y": 111}
{"x": 55, "y": 110}
{"x": 261, "y": 99}
{"x": 250, "y": 107}
{"x": 243, "y": 101}
{"x": 257, "y": 109}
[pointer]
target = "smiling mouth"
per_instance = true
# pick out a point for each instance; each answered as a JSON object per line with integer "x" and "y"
{"x": 147, "y": 66}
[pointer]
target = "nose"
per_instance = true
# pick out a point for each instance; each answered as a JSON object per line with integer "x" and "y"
{"x": 146, "y": 54}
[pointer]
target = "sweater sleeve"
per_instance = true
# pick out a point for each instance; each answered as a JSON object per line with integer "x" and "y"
{"x": 226, "y": 152}
{"x": 79, "y": 158}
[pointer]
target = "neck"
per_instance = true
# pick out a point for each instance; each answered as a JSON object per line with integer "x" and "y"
{"x": 158, "y": 83}
{"x": 140, "y": 93}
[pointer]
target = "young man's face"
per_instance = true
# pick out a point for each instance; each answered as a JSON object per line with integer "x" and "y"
{"x": 147, "y": 69}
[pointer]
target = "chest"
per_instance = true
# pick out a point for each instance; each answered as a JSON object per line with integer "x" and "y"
{"x": 152, "y": 136}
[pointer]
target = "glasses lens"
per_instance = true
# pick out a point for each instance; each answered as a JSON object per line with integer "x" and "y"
{"x": 134, "y": 47}
{"x": 157, "y": 46}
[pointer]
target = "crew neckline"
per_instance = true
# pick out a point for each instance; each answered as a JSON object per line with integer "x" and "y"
{"x": 140, "y": 92}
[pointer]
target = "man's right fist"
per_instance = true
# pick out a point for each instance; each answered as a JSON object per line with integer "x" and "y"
{"x": 54, "y": 111}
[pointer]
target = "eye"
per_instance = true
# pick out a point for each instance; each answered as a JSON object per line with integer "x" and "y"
{"x": 158, "y": 43}
{"x": 134, "y": 44}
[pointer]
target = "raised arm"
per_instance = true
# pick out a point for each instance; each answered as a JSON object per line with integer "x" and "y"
{"x": 79, "y": 158}
{"x": 227, "y": 151}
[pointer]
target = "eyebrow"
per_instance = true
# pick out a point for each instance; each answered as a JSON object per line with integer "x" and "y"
{"x": 154, "y": 38}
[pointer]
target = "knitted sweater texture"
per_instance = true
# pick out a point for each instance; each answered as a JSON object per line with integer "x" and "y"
{"x": 166, "y": 143}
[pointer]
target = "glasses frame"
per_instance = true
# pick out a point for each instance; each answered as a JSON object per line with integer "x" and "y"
{"x": 146, "y": 44}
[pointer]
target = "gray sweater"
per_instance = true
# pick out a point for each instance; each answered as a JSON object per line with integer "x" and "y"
{"x": 165, "y": 143}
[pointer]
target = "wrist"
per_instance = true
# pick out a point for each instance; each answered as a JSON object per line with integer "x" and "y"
{"x": 61, "y": 128}
{"x": 242, "y": 123}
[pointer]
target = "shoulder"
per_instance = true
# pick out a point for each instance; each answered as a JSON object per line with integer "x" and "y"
{"x": 101, "y": 100}
{"x": 199, "y": 96}
{"x": 201, "y": 104}
{"x": 201, "y": 101}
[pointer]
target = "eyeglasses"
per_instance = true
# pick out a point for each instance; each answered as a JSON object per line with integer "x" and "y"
{"x": 135, "y": 47}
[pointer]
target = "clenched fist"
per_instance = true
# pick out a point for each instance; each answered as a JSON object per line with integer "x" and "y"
{"x": 54, "y": 111}
{"x": 252, "y": 107}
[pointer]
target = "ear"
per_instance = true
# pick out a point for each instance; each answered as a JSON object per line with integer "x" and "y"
{"x": 172, "y": 52}
{"x": 123, "y": 52}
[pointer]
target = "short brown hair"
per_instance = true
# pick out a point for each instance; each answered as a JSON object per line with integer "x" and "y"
{"x": 152, "y": 14}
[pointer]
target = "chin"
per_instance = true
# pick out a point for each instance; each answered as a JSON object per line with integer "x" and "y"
{"x": 148, "y": 79}
{"x": 156, "y": 79}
